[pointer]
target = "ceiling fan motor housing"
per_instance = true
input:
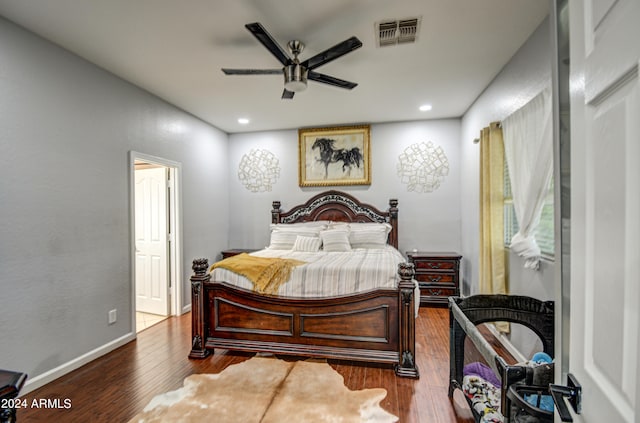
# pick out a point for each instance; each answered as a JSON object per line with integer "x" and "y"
{"x": 295, "y": 77}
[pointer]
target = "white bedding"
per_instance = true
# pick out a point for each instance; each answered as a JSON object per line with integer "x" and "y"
{"x": 327, "y": 274}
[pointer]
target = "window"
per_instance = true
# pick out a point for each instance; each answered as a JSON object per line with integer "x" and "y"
{"x": 544, "y": 233}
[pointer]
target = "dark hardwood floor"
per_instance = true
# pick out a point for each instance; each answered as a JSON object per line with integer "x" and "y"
{"x": 118, "y": 385}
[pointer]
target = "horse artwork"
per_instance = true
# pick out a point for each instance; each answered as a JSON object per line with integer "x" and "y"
{"x": 334, "y": 156}
{"x": 329, "y": 154}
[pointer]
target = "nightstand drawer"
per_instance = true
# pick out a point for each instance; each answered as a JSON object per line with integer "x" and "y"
{"x": 437, "y": 296}
{"x": 445, "y": 278}
{"x": 436, "y": 291}
{"x": 425, "y": 264}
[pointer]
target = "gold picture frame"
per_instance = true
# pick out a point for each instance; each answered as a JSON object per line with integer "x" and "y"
{"x": 334, "y": 156}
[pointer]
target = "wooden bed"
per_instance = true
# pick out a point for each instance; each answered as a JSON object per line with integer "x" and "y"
{"x": 375, "y": 326}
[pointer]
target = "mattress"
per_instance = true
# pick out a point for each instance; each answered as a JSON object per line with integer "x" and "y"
{"x": 329, "y": 274}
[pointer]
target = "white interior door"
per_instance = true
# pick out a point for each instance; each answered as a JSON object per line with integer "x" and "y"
{"x": 605, "y": 207}
{"x": 151, "y": 239}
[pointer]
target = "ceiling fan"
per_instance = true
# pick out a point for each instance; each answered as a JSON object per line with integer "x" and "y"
{"x": 295, "y": 72}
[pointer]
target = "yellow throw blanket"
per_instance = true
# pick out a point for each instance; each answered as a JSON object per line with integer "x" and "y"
{"x": 267, "y": 274}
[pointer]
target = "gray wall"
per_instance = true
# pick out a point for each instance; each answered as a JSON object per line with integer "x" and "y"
{"x": 66, "y": 129}
{"x": 526, "y": 74}
{"x": 428, "y": 221}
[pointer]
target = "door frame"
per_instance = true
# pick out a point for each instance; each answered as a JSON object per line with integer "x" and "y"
{"x": 175, "y": 222}
{"x": 559, "y": 10}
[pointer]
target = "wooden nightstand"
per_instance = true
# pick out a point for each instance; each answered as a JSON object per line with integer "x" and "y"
{"x": 235, "y": 251}
{"x": 437, "y": 275}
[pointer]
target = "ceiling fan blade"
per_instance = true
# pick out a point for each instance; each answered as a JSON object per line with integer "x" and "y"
{"x": 267, "y": 40}
{"x": 326, "y": 79}
{"x": 252, "y": 71}
{"x": 332, "y": 53}
{"x": 287, "y": 95}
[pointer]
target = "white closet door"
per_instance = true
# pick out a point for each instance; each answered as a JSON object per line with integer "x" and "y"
{"x": 151, "y": 241}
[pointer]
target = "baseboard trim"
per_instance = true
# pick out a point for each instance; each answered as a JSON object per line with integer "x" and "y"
{"x": 36, "y": 382}
{"x": 520, "y": 358}
{"x": 186, "y": 309}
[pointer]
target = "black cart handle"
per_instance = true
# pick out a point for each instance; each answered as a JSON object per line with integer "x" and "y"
{"x": 573, "y": 391}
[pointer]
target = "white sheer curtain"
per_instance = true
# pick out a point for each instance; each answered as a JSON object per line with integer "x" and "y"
{"x": 528, "y": 144}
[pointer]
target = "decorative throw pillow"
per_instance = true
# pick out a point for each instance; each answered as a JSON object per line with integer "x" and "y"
{"x": 309, "y": 244}
{"x": 335, "y": 240}
{"x": 283, "y": 238}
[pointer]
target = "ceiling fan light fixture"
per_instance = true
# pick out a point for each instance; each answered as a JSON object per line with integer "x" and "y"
{"x": 295, "y": 77}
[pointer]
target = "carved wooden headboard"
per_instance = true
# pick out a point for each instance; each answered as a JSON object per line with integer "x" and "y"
{"x": 339, "y": 207}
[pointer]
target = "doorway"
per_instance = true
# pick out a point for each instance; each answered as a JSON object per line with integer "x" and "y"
{"x": 155, "y": 240}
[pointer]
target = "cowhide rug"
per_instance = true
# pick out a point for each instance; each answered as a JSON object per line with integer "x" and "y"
{"x": 268, "y": 390}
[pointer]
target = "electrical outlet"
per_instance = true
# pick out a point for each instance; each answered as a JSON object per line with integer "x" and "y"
{"x": 113, "y": 316}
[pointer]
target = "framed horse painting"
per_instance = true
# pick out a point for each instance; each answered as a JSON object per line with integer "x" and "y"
{"x": 334, "y": 156}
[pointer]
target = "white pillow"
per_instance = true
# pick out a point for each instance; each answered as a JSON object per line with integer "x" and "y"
{"x": 355, "y": 226}
{"x": 309, "y": 244}
{"x": 338, "y": 225}
{"x": 284, "y": 238}
{"x": 335, "y": 240}
{"x": 322, "y": 224}
{"x": 369, "y": 235}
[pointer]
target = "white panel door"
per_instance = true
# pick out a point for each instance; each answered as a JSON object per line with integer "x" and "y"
{"x": 151, "y": 238}
{"x": 605, "y": 208}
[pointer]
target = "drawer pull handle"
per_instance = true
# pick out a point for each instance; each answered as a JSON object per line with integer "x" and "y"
{"x": 435, "y": 292}
{"x": 434, "y": 265}
{"x": 435, "y": 278}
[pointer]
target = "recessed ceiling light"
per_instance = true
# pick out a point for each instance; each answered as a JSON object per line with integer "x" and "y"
{"x": 243, "y": 121}
{"x": 425, "y": 107}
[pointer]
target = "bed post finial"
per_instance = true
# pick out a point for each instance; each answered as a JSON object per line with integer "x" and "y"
{"x": 275, "y": 212}
{"x": 407, "y": 366}
{"x": 393, "y": 206}
{"x": 406, "y": 271}
{"x": 393, "y": 221}
{"x": 199, "y": 266}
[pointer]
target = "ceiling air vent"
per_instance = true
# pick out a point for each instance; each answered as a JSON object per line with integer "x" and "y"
{"x": 392, "y": 32}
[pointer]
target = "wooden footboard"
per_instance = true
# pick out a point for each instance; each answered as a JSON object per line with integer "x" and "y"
{"x": 376, "y": 326}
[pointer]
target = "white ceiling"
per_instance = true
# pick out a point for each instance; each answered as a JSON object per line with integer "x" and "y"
{"x": 175, "y": 49}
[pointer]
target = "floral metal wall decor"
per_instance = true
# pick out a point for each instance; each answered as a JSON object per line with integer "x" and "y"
{"x": 423, "y": 167}
{"x": 259, "y": 170}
